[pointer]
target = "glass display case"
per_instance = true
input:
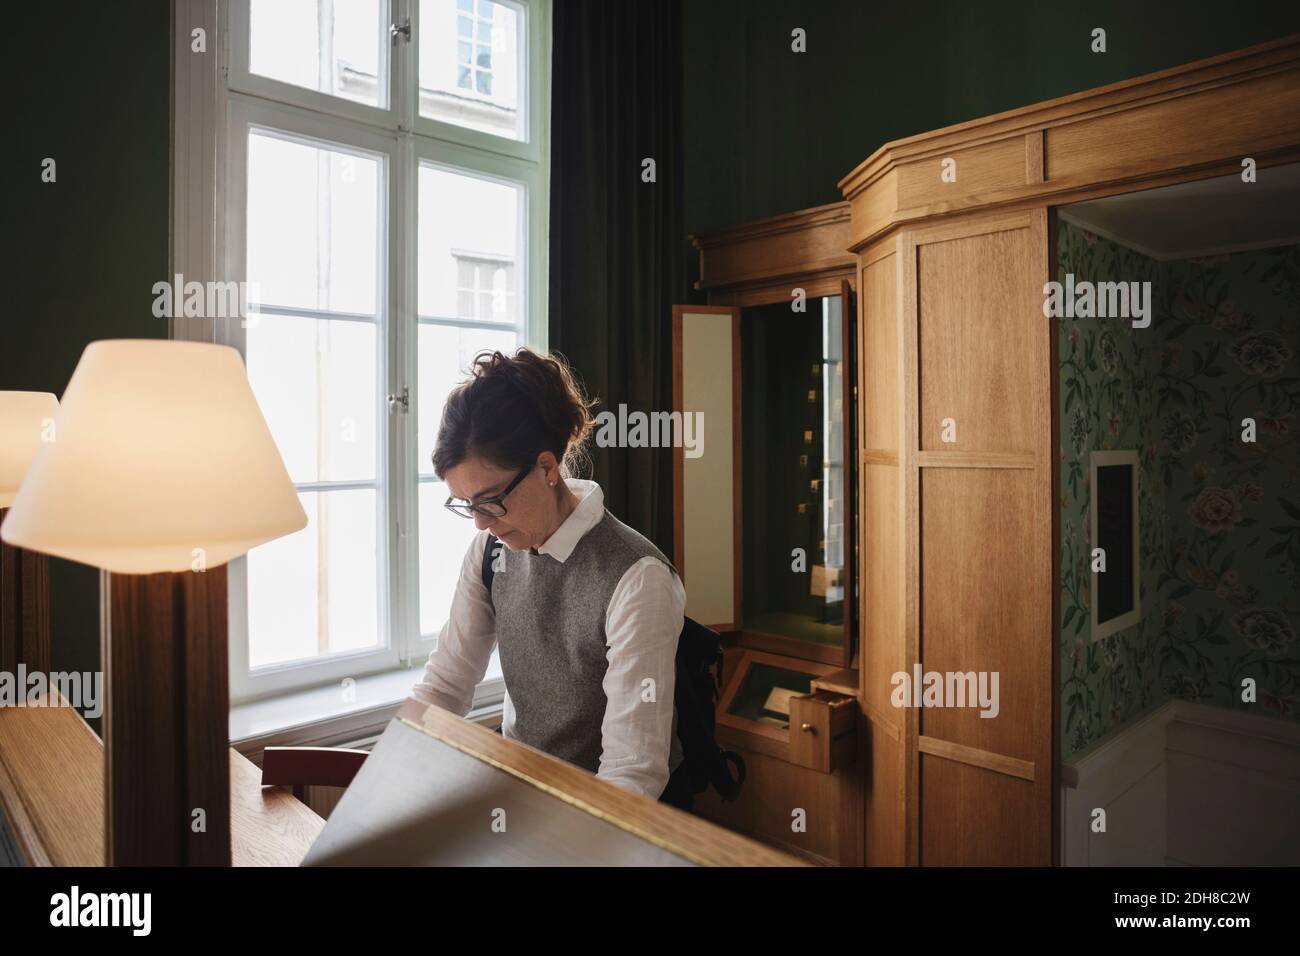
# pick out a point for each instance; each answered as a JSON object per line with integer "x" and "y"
{"x": 792, "y": 460}
{"x": 765, "y": 514}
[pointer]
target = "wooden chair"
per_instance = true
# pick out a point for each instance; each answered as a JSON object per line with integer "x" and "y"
{"x": 303, "y": 767}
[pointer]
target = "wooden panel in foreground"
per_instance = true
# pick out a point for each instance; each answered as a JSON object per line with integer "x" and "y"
{"x": 441, "y": 791}
{"x": 52, "y": 797}
{"x": 52, "y": 785}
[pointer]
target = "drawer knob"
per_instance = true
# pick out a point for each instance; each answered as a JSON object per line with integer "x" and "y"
{"x": 808, "y": 728}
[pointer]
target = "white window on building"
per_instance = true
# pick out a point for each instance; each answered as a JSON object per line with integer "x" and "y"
{"x": 470, "y": 67}
{"x": 474, "y": 46}
{"x": 484, "y": 288}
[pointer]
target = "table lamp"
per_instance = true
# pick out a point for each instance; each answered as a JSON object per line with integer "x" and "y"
{"x": 26, "y": 422}
{"x": 162, "y": 470}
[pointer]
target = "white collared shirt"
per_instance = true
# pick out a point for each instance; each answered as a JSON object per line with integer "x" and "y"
{"x": 642, "y": 624}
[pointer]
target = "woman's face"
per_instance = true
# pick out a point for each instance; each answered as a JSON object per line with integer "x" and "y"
{"x": 531, "y": 507}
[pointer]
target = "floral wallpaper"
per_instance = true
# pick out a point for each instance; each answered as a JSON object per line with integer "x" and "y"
{"x": 1220, "y": 516}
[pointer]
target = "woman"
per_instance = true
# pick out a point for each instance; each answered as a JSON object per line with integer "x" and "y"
{"x": 585, "y": 611}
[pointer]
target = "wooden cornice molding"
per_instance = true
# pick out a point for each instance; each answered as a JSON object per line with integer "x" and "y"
{"x": 775, "y": 225}
{"x": 1180, "y": 123}
{"x": 757, "y": 256}
{"x": 1125, "y": 94}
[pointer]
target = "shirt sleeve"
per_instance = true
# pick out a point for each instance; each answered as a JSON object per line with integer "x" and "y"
{"x": 465, "y": 644}
{"x": 642, "y": 625}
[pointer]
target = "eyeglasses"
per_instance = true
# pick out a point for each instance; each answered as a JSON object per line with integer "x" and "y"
{"x": 493, "y": 507}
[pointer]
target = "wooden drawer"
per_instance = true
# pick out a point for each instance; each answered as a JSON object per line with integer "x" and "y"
{"x": 822, "y": 729}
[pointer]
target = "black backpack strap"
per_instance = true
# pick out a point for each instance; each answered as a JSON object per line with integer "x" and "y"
{"x": 489, "y": 558}
{"x": 699, "y": 666}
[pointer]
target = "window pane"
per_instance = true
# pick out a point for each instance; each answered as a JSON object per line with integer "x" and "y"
{"x": 315, "y": 592}
{"x": 444, "y": 538}
{"x": 468, "y": 227}
{"x": 487, "y": 94}
{"x": 315, "y": 382}
{"x": 444, "y": 357}
{"x": 332, "y": 46}
{"x": 313, "y": 226}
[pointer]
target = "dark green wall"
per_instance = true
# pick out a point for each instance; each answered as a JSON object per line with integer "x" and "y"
{"x": 89, "y": 87}
{"x": 769, "y": 131}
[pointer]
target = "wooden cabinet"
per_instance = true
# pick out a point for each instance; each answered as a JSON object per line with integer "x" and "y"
{"x": 955, "y": 547}
{"x": 956, "y": 366}
{"x": 765, "y": 540}
{"x": 950, "y": 390}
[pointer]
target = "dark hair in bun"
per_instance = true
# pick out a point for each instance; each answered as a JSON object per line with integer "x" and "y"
{"x": 510, "y": 410}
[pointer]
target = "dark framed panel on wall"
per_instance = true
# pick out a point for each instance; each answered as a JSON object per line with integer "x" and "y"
{"x": 1116, "y": 570}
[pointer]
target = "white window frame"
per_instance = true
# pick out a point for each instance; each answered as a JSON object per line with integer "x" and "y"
{"x": 217, "y": 100}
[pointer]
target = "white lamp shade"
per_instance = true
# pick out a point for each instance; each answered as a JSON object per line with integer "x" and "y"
{"x": 162, "y": 461}
{"x": 26, "y": 422}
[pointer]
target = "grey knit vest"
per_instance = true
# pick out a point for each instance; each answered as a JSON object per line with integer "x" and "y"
{"x": 550, "y": 629}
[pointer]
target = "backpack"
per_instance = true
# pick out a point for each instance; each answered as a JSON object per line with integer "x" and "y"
{"x": 698, "y": 684}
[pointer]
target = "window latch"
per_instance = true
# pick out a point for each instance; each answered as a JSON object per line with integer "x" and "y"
{"x": 403, "y": 399}
{"x": 404, "y": 31}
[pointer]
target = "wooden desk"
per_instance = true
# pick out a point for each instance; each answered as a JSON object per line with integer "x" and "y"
{"x": 439, "y": 790}
{"x": 52, "y": 795}
{"x": 268, "y": 826}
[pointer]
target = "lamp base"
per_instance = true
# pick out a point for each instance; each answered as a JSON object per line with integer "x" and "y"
{"x": 24, "y": 608}
{"x": 166, "y": 720}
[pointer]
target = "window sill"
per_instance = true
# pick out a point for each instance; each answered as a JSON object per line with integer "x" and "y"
{"x": 321, "y": 717}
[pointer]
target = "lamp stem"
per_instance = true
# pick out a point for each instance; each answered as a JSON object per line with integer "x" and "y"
{"x": 166, "y": 721}
{"x": 24, "y": 608}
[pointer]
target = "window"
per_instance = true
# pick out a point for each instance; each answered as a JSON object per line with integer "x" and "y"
{"x": 466, "y": 304}
{"x": 471, "y": 63}
{"x": 484, "y": 288}
{"x": 336, "y": 47}
{"x": 474, "y": 47}
{"x": 384, "y": 246}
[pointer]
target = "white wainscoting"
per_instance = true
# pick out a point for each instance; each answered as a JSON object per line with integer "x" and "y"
{"x": 1187, "y": 785}
{"x": 1125, "y": 776}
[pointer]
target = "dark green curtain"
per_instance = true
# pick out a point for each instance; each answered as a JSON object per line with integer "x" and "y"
{"x": 617, "y": 257}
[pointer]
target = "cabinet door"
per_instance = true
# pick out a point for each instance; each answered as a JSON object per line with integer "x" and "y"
{"x": 970, "y": 498}
{"x": 849, "y": 403}
{"x": 883, "y": 564}
{"x": 706, "y": 480}
{"x": 763, "y": 509}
